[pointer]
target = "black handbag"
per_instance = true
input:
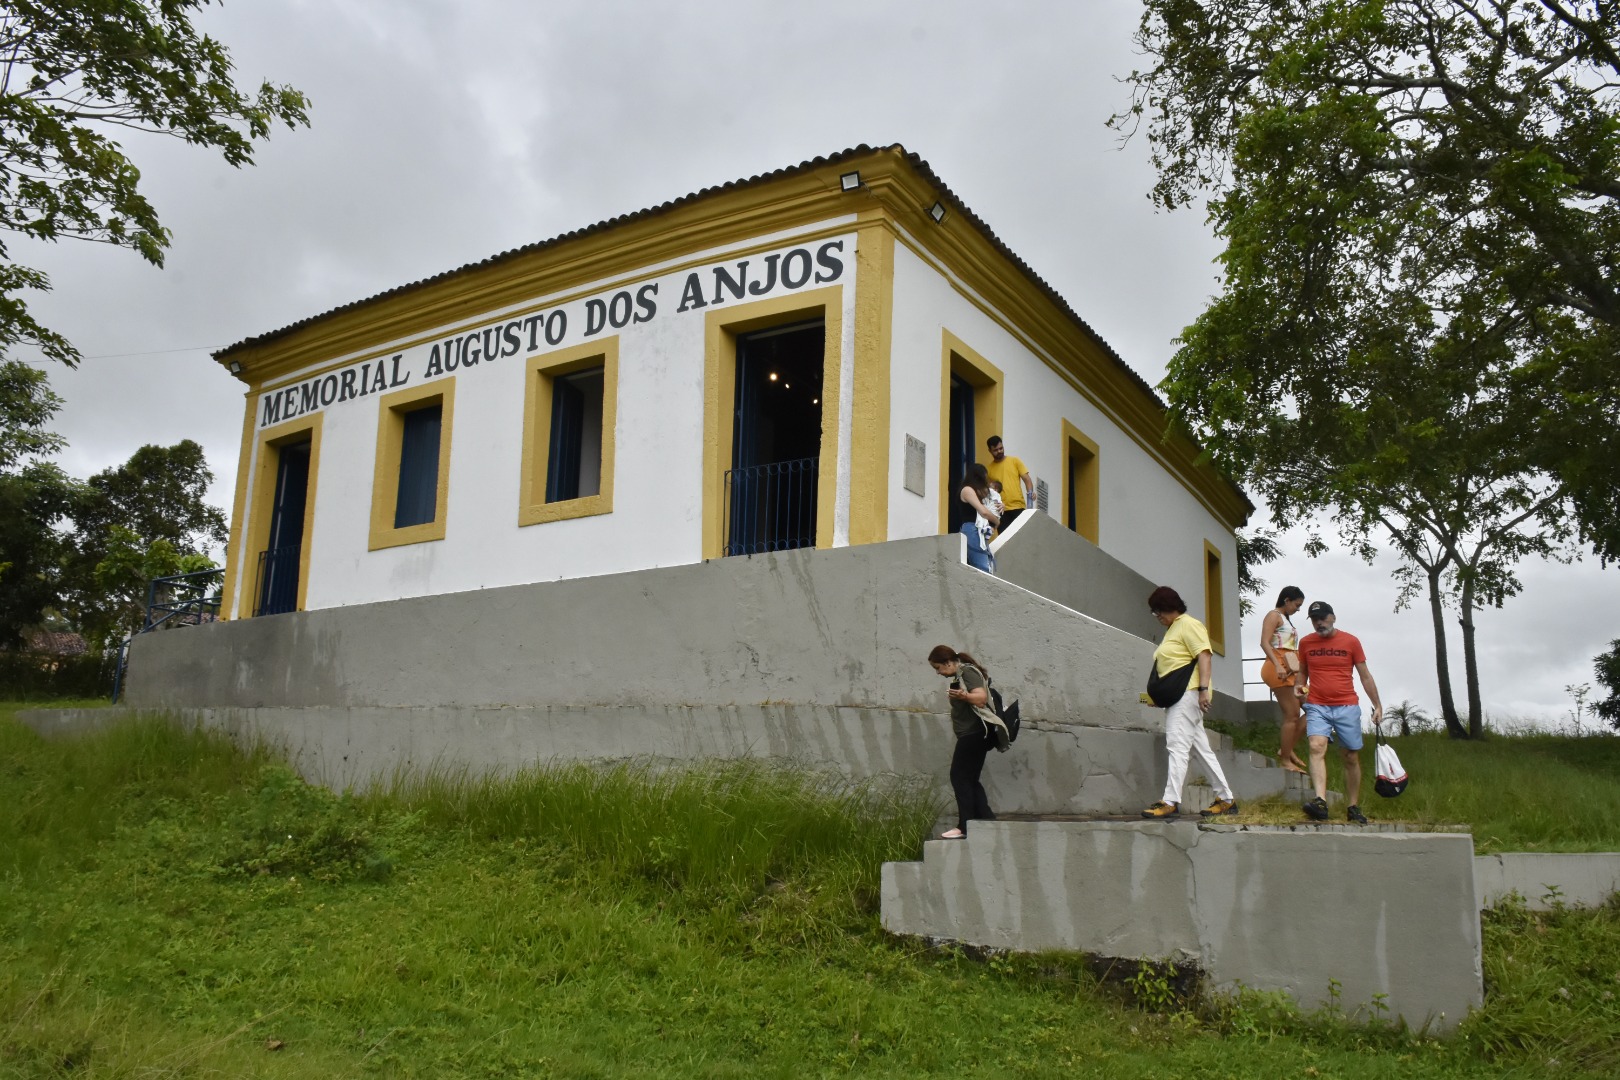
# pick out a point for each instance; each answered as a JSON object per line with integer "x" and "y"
{"x": 1166, "y": 690}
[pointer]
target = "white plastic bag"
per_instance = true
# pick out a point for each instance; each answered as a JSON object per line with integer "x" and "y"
{"x": 1392, "y": 778}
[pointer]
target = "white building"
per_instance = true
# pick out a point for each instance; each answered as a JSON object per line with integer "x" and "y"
{"x": 801, "y": 358}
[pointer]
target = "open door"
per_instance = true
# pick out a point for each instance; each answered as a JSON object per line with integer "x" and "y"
{"x": 279, "y": 563}
{"x": 773, "y": 482}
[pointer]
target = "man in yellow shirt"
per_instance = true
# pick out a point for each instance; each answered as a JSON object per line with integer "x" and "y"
{"x": 1017, "y": 486}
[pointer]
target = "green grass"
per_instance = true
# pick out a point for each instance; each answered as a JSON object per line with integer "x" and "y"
{"x": 173, "y": 906}
{"x": 1515, "y": 792}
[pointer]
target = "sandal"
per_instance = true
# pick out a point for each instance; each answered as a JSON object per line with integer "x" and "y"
{"x": 952, "y": 834}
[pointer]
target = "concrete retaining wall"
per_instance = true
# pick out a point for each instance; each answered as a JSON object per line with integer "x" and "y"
{"x": 1580, "y": 879}
{"x": 1057, "y": 770}
{"x": 849, "y": 627}
{"x": 1382, "y": 913}
{"x": 1042, "y": 556}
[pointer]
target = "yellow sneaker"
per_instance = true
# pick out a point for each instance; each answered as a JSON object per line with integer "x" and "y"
{"x": 1161, "y": 810}
{"x": 1221, "y": 806}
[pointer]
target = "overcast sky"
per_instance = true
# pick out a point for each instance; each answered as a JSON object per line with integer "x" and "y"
{"x": 445, "y": 131}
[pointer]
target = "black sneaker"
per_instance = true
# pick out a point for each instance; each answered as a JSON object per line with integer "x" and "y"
{"x": 1317, "y": 809}
{"x": 1354, "y": 814}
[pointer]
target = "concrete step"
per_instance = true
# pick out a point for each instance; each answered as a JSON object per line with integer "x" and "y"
{"x": 1239, "y": 902}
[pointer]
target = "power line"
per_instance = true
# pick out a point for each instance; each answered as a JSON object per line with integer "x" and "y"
{"x": 118, "y": 356}
{"x": 154, "y": 352}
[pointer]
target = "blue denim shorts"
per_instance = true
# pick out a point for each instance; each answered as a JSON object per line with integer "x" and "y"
{"x": 1343, "y": 722}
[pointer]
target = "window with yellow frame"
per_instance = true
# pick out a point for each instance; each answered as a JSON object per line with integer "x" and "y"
{"x": 410, "y": 488}
{"x": 1214, "y": 599}
{"x": 569, "y": 413}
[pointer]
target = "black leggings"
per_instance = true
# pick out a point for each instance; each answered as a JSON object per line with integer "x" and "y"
{"x": 967, "y": 762}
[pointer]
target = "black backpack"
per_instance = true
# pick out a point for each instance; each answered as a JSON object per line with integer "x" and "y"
{"x": 1009, "y": 715}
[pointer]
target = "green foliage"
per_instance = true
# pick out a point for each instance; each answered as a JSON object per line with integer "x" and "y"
{"x": 145, "y": 519}
{"x": 291, "y": 829}
{"x": 34, "y": 503}
{"x": 1408, "y": 719}
{"x": 512, "y": 941}
{"x": 1556, "y": 975}
{"x": 1421, "y": 211}
{"x": 723, "y": 829}
{"x": 29, "y": 676}
{"x": 27, "y": 405}
{"x": 1608, "y": 676}
{"x": 76, "y": 74}
{"x": 1253, "y": 551}
{"x": 1515, "y": 792}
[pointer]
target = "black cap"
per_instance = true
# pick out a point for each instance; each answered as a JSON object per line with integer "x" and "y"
{"x": 1319, "y": 610}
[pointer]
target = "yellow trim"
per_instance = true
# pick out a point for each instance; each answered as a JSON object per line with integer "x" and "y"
{"x": 1086, "y": 500}
{"x": 720, "y": 331}
{"x": 892, "y": 189}
{"x": 264, "y": 496}
{"x": 956, "y": 358}
{"x": 391, "y": 410}
{"x": 869, "y": 427}
{"x": 235, "y": 549}
{"x": 540, "y": 372}
{"x": 1214, "y": 599}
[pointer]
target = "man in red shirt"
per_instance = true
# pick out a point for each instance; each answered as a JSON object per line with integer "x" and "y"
{"x": 1326, "y": 659}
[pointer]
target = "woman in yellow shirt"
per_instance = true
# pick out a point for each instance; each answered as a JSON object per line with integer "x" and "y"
{"x": 1186, "y": 646}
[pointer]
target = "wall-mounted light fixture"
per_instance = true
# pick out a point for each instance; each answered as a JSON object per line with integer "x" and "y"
{"x": 937, "y": 212}
{"x": 234, "y": 367}
{"x": 849, "y": 181}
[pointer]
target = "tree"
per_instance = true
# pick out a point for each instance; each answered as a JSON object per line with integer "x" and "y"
{"x": 1608, "y": 677}
{"x": 1409, "y": 718}
{"x": 74, "y": 74}
{"x": 33, "y": 502}
{"x": 1253, "y": 551}
{"x": 1420, "y": 212}
{"x": 1400, "y": 425}
{"x": 26, "y": 406}
{"x": 146, "y": 518}
{"x": 34, "y": 499}
{"x": 1419, "y": 161}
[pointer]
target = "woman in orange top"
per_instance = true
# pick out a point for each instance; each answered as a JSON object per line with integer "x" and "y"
{"x": 1280, "y": 642}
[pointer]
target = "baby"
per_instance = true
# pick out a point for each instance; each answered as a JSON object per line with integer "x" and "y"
{"x": 995, "y": 502}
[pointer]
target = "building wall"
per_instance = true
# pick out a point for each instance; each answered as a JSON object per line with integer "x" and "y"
{"x": 665, "y": 449}
{"x": 656, "y": 517}
{"x": 1148, "y": 519}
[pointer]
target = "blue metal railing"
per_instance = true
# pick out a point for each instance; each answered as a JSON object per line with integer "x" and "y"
{"x": 276, "y": 584}
{"x": 184, "y": 599}
{"x": 771, "y": 507}
{"x": 180, "y": 600}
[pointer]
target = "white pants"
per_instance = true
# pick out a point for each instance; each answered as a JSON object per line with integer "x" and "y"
{"x": 1184, "y": 732}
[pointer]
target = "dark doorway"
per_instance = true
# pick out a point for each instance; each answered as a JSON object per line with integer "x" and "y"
{"x": 278, "y": 564}
{"x": 772, "y": 484}
{"x": 962, "y": 451}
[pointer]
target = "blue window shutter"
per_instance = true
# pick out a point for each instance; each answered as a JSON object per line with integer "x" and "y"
{"x": 419, "y": 468}
{"x": 567, "y": 430}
